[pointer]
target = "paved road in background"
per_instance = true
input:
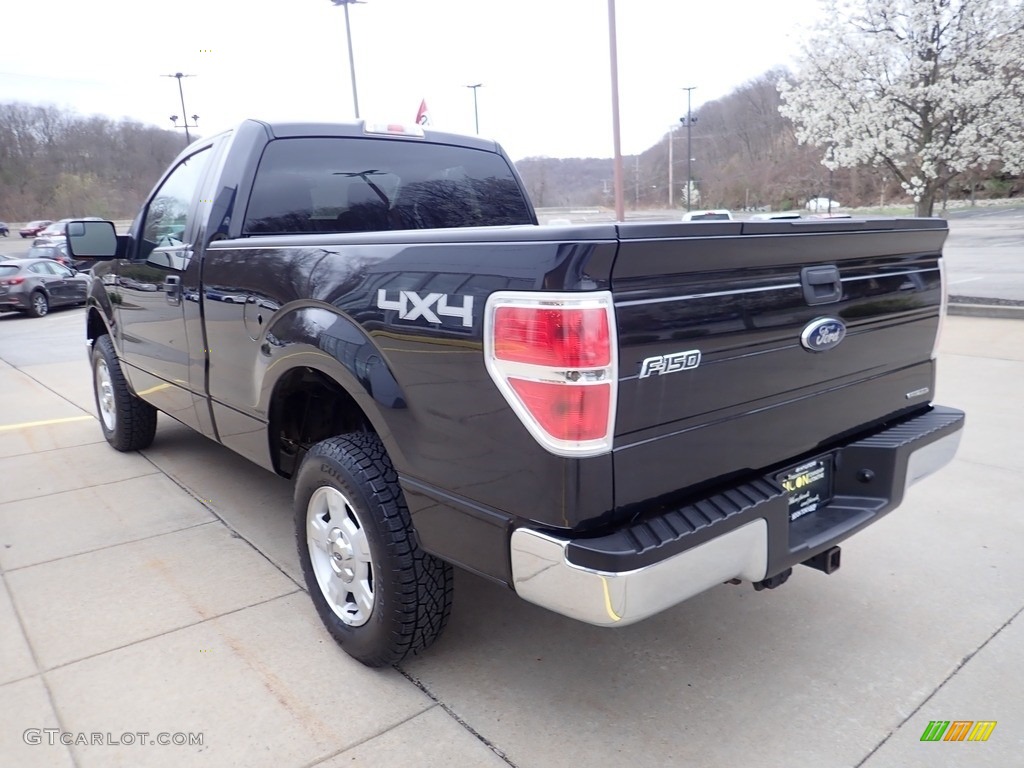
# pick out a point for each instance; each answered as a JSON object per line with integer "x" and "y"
{"x": 985, "y": 254}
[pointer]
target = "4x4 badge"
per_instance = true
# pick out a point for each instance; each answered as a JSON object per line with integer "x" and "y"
{"x": 410, "y": 306}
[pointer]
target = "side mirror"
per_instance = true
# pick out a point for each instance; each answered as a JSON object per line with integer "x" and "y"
{"x": 92, "y": 239}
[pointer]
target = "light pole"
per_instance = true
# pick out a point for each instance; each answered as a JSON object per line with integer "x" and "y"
{"x": 636, "y": 184}
{"x": 476, "y": 113}
{"x": 351, "y": 58}
{"x": 613, "y": 56}
{"x": 184, "y": 112}
{"x": 671, "y": 141}
{"x": 186, "y": 126}
{"x": 689, "y": 152}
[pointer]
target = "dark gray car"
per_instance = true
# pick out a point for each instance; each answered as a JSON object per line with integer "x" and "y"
{"x": 57, "y": 251}
{"x": 34, "y": 285}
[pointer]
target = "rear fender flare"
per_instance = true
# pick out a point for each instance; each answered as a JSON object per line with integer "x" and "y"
{"x": 333, "y": 344}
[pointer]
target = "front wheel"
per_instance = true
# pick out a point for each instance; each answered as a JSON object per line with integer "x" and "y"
{"x": 379, "y": 595}
{"x": 38, "y": 305}
{"x": 128, "y": 423}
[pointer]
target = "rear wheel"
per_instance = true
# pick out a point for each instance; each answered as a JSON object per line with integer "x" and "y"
{"x": 128, "y": 423}
{"x": 379, "y": 595}
{"x": 38, "y": 305}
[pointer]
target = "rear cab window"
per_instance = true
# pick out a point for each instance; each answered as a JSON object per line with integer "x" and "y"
{"x": 312, "y": 185}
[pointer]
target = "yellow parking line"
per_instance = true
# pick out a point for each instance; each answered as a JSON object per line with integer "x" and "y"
{"x": 46, "y": 422}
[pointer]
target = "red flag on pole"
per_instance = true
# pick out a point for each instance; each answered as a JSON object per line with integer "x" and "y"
{"x": 423, "y": 117}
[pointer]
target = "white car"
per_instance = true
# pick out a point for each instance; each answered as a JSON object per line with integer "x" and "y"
{"x": 822, "y": 204}
{"x": 715, "y": 215}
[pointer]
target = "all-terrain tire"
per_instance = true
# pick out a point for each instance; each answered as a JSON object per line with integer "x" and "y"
{"x": 128, "y": 423}
{"x": 380, "y": 596}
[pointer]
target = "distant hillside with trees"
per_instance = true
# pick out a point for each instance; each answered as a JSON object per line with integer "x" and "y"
{"x": 55, "y": 164}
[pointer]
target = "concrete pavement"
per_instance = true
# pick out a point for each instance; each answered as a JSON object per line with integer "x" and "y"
{"x": 159, "y": 592}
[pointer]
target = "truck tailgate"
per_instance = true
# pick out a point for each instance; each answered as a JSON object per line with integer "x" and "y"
{"x": 730, "y": 360}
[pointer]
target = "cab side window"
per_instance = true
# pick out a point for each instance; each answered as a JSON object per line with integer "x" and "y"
{"x": 167, "y": 218}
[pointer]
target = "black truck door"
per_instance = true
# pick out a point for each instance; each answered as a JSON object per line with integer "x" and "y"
{"x": 150, "y": 311}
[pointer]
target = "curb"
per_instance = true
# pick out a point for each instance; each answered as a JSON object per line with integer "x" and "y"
{"x": 1001, "y": 311}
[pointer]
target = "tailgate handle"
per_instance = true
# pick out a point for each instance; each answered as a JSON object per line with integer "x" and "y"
{"x": 821, "y": 285}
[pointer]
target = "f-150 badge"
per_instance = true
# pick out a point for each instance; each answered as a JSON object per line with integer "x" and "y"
{"x": 822, "y": 334}
{"x": 411, "y": 306}
{"x": 672, "y": 363}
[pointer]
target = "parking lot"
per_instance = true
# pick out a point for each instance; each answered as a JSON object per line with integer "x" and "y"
{"x": 159, "y": 593}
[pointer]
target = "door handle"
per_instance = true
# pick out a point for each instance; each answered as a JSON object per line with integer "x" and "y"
{"x": 172, "y": 287}
{"x": 822, "y": 285}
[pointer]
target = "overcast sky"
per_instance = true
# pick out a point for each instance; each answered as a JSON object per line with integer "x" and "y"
{"x": 544, "y": 64}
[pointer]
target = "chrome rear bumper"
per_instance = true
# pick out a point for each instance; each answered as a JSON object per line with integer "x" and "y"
{"x": 543, "y": 573}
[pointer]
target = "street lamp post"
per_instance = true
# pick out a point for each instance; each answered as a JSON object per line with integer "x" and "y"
{"x": 689, "y": 152}
{"x": 613, "y": 56}
{"x": 186, "y": 126}
{"x": 671, "y": 141}
{"x": 184, "y": 112}
{"x": 351, "y": 58}
{"x": 476, "y": 113}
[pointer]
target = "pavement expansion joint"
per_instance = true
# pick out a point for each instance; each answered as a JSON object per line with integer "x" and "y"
{"x": 455, "y": 716}
{"x": 166, "y": 632}
{"x": 113, "y": 545}
{"x": 234, "y": 533}
{"x": 956, "y": 670}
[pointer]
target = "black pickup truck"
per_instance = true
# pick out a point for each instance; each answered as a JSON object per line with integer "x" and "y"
{"x": 606, "y": 418}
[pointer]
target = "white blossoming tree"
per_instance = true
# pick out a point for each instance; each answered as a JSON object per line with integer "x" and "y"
{"x": 925, "y": 88}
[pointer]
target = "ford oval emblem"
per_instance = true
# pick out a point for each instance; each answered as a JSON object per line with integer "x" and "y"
{"x": 823, "y": 334}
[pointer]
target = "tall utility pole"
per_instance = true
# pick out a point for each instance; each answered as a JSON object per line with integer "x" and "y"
{"x": 184, "y": 113}
{"x": 689, "y": 151}
{"x": 351, "y": 58}
{"x": 671, "y": 141}
{"x": 476, "y": 112}
{"x": 636, "y": 185}
{"x": 620, "y": 213}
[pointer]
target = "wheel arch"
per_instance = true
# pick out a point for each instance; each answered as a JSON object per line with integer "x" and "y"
{"x": 323, "y": 384}
{"x": 95, "y": 324}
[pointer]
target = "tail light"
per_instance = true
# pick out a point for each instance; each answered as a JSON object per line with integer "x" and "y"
{"x": 554, "y": 358}
{"x": 13, "y": 281}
